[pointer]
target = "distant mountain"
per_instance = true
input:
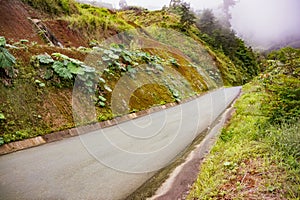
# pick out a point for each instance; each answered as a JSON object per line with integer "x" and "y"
{"x": 291, "y": 42}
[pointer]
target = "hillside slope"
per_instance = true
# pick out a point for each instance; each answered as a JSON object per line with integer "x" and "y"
{"x": 171, "y": 64}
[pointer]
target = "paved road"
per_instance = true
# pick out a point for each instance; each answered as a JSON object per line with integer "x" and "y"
{"x": 110, "y": 163}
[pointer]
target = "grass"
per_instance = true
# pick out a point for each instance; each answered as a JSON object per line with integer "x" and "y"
{"x": 54, "y": 7}
{"x": 96, "y": 22}
{"x": 253, "y": 159}
{"x": 151, "y": 18}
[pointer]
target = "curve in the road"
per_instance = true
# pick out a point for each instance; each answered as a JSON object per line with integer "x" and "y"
{"x": 113, "y": 162}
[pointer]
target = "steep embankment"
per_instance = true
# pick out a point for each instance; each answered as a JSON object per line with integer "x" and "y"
{"x": 149, "y": 66}
{"x": 14, "y": 23}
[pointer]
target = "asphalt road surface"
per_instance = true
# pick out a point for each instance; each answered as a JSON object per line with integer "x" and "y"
{"x": 113, "y": 162}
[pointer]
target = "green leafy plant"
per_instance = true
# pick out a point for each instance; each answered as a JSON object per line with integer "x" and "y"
{"x": 66, "y": 68}
{"x": 2, "y": 116}
{"x": 282, "y": 84}
{"x": 101, "y": 101}
{"x": 7, "y": 61}
{"x": 174, "y": 62}
{"x": 45, "y": 59}
{"x": 1, "y": 141}
{"x": 41, "y": 84}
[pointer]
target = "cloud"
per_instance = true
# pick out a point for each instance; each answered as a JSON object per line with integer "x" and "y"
{"x": 268, "y": 21}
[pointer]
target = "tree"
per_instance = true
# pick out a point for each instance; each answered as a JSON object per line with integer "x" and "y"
{"x": 187, "y": 17}
{"x": 183, "y": 9}
{"x": 207, "y": 22}
{"x": 223, "y": 39}
{"x": 226, "y": 9}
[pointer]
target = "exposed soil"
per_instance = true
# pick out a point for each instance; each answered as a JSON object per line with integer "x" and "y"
{"x": 56, "y": 110}
{"x": 14, "y": 22}
{"x": 251, "y": 182}
{"x": 65, "y": 35}
{"x": 15, "y": 25}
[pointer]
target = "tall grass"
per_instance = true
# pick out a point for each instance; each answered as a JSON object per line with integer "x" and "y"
{"x": 95, "y": 20}
{"x": 54, "y": 7}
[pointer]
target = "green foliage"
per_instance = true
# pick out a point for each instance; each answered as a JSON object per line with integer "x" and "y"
{"x": 2, "y": 116}
{"x": 66, "y": 68}
{"x": 248, "y": 146}
{"x": 45, "y": 59}
{"x": 174, "y": 62}
{"x": 101, "y": 101}
{"x": 223, "y": 39}
{"x": 1, "y": 141}
{"x": 2, "y": 41}
{"x": 62, "y": 70}
{"x": 281, "y": 82}
{"x": 7, "y": 61}
{"x": 286, "y": 139}
{"x": 93, "y": 19}
{"x": 41, "y": 84}
{"x": 54, "y": 7}
{"x": 183, "y": 9}
{"x": 287, "y": 55}
{"x": 120, "y": 59}
{"x": 151, "y": 18}
{"x": 18, "y": 135}
{"x": 207, "y": 22}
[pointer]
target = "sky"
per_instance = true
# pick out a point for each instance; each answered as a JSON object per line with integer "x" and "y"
{"x": 158, "y": 4}
{"x": 259, "y": 22}
{"x": 265, "y": 22}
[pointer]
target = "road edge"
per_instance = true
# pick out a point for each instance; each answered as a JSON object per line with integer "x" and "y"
{"x": 182, "y": 173}
{"x": 61, "y": 135}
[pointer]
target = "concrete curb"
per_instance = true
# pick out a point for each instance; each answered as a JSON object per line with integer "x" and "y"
{"x": 178, "y": 184}
{"x": 57, "y": 136}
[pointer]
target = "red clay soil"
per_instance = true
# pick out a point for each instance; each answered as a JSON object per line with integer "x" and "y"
{"x": 14, "y": 23}
{"x": 24, "y": 55}
{"x": 66, "y": 36}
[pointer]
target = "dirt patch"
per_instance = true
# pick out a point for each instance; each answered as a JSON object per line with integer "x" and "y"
{"x": 24, "y": 55}
{"x": 57, "y": 109}
{"x": 14, "y": 23}
{"x": 65, "y": 35}
{"x": 253, "y": 181}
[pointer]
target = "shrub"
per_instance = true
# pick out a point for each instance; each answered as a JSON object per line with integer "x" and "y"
{"x": 282, "y": 83}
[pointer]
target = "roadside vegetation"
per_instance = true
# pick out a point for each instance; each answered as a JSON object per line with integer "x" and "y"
{"x": 257, "y": 154}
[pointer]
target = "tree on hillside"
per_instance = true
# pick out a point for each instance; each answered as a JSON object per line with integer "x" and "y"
{"x": 183, "y": 9}
{"x": 207, "y": 22}
{"x": 187, "y": 17}
{"x": 227, "y": 4}
{"x": 223, "y": 39}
